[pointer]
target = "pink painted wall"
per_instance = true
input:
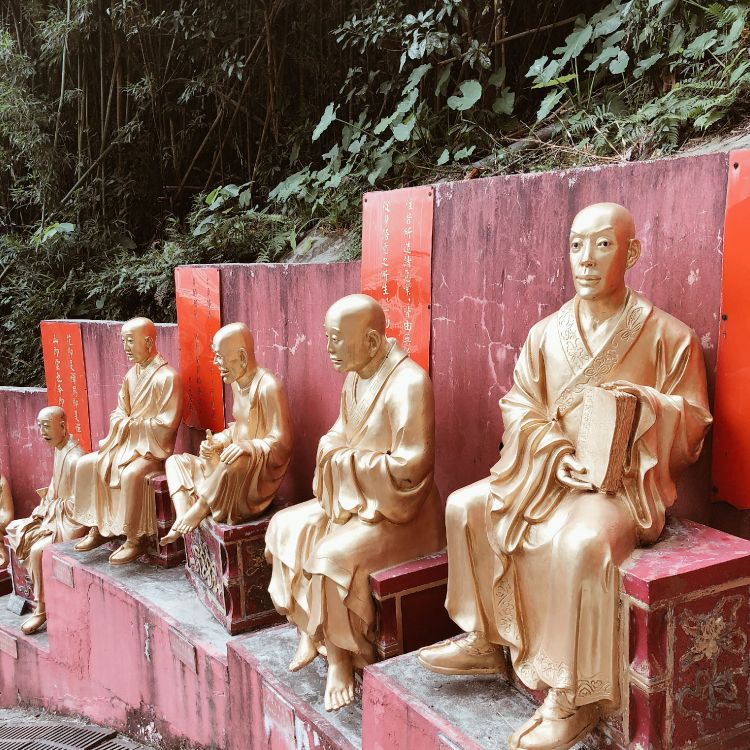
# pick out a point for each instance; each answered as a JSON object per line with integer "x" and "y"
{"x": 111, "y": 658}
{"x": 500, "y": 264}
{"x": 25, "y": 459}
{"x": 284, "y": 306}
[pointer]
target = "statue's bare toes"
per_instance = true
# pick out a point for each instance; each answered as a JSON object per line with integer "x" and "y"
{"x": 172, "y": 536}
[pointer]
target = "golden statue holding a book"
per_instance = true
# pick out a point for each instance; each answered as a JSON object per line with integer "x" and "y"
{"x": 608, "y": 403}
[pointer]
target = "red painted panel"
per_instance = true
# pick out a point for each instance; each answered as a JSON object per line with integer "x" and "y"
{"x": 65, "y": 374}
{"x": 198, "y": 319}
{"x": 731, "y": 452}
{"x": 397, "y": 263}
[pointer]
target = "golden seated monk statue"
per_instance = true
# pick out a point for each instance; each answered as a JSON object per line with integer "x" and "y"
{"x": 240, "y": 469}
{"x": 52, "y": 520}
{"x": 110, "y": 485}
{"x": 534, "y": 550}
{"x": 375, "y": 505}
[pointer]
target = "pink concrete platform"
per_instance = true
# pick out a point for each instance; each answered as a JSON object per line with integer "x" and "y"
{"x": 127, "y": 647}
{"x": 685, "y": 615}
{"x": 285, "y": 711}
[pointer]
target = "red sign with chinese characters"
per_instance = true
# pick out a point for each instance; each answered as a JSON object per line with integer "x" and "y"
{"x": 65, "y": 373}
{"x": 198, "y": 319}
{"x": 397, "y": 263}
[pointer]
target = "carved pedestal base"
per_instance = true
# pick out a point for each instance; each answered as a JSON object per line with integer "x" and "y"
{"x": 410, "y": 602}
{"x": 686, "y": 619}
{"x": 227, "y": 568}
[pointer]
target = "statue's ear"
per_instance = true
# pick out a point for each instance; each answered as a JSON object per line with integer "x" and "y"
{"x": 149, "y": 343}
{"x": 374, "y": 339}
{"x": 243, "y": 357}
{"x": 634, "y": 252}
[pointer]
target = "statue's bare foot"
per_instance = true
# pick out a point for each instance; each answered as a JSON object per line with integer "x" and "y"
{"x": 35, "y": 622}
{"x": 306, "y": 652}
{"x": 191, "y": 520}
{"x": 172, "y": 536}
{"x": 340, "y": 681}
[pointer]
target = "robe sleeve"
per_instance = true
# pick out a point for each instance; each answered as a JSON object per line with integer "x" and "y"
{"x": 393, "y": 483}
{"x": 672, "y": 423}
{"x": 154, "y": 434}
{"x": 6, "y": 503}
{"x": 118, "y": 419}
{"x": 276, "y": 445}
{"x": 523, "y": 486}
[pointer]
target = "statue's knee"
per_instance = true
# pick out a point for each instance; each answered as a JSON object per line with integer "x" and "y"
{"x": 581, "y": 546}
{"x": 457, "y": 509}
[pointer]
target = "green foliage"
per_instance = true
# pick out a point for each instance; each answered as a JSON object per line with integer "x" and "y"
{"x": 135, "y": 136}
{"x": 77, "y": 272}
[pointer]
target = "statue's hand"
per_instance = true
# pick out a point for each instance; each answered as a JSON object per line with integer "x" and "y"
{"x": 571, "y": 473}
{"x": 232, "y": 452}
{"x": 622, "y": 385}
{"x": 206, "y": 450}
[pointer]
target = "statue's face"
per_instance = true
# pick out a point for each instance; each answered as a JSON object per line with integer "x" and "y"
{"x": 51, "y": 428}
{"x": 136, "y": 344}
{"x": 348, "y": 344}
{"x": 598, "y": 253}
{"x": 230, "y": 359}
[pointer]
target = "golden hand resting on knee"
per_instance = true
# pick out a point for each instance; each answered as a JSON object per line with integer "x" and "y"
{"x": 534, "y": 550}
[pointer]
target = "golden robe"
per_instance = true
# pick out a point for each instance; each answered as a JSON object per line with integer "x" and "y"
{"x": 375, "y": 505}
{"x": 535, "y": 565}
{"x": 52, "y": 520}
{"x": 243, "y": 489}
{"x": 110, "y": 484}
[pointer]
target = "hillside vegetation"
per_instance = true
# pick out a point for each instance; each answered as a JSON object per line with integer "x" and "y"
{"x": 136, "y": 135}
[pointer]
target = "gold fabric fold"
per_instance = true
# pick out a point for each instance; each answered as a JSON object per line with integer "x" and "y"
{"x": 238, "y": 491}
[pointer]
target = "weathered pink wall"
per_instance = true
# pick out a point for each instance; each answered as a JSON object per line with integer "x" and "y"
{"x": 25, "y": 459}
{"x": 284, "y": 306}
{"x": 500, "y": 264}
{"x": 106, "y": 365}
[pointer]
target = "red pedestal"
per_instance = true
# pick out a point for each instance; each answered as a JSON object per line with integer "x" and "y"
{"x": 228, "y": 570}
{"x": 6, "y": 584}
{"x": 410, "y": 601}
{"x": 686, "y": 619}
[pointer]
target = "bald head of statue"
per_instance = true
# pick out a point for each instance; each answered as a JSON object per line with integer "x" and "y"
{"x": 234, "y": 352}
{"x": 355, "y": 332}
{"x": 602, "y": 247}
{"x": 52, "y": 425}
{"x": 139, "y": 340}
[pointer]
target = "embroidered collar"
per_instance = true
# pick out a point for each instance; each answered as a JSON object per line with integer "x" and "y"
{"x": 592, "y": 370}
{"x": 355, "y": 413}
